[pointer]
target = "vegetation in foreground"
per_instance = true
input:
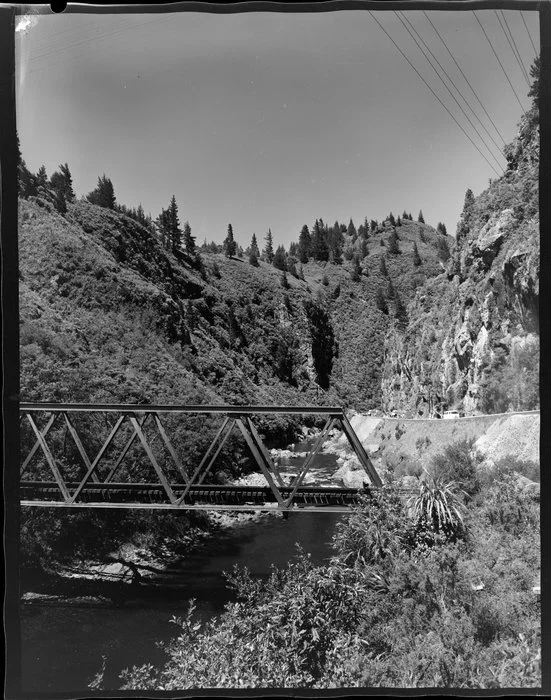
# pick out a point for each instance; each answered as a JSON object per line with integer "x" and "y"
{"x": 435, "y": 592}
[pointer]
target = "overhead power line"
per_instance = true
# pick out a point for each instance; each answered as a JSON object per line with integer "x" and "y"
{"x": 512, "y": 45}
{"x": 515, "y": 43}
{"x": 432, "y": 91}
{"x": 464, "y": 77}
{"x": 528, "y": 32}
{"x": 402, "y": 17}
{"x": 498, "y": 60}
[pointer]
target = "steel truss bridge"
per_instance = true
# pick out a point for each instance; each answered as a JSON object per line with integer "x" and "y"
{"x": 67, "y": 477}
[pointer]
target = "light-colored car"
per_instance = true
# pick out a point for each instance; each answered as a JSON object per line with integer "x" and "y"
{"x": 451, "y": 414}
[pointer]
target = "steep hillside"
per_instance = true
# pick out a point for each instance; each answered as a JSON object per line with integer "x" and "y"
{"x": 107, "y": 314}
{"x": 472, "y": 339}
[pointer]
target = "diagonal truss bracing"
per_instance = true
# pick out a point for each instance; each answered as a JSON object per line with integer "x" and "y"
{"x": 97, "y": 487}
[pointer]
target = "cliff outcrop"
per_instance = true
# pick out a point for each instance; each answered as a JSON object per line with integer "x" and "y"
{"x": 472, "y": 338}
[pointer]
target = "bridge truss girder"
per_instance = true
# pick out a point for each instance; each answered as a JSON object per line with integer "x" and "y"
{"x": 190, "y": 492}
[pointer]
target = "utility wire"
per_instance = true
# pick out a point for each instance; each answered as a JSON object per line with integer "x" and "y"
{"x": 432, "y": 91}
{"x": 528, "y": 32}
{"x": 447, "y": 87}
{"x": 512, "y": 46}
{"x": 498, "y": 60}
{"x": 464, "y": 77}
{"x": 456, "y": 88}
{"x": 515, "y": 44}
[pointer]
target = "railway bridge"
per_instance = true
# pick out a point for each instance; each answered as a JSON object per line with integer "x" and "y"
{"x": 142, "y": 459}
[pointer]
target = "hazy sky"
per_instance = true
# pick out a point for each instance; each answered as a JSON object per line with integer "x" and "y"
{"x": 269, "y": 120}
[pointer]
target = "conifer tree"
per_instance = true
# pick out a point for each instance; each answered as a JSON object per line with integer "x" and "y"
{"x": 104, "y": 194}
{"x": 398, "y": 221}
{"x": 254, "y": 247}
{"x": 42, "y": 177}
{"x": 363, "y": 249}
{"x": 382, "y": 266}
{"x": 230, "y": 246}
{"x": 304, "y": 244}
{"x": 173, "y": 224}
{"x": 253, "y": 258}
{"x": 61, "y": 183}
{"x": 301, "y": 273}
{"x": 416, "y": 257}
{"x": 320, "y": 251}
{"x": 189, "y": 240}
{"x": 336, "y": 241}
{"x": 279, "y": 260}
{"x": 464, "y": 223}
{"x": 269, "y": 247}
{"x": 392, "y": 244}
{"x": 373, "y": 225}
{"x": 392, "y": 219}
{"x": 284, "y": 280}
{"x": 351, "y": 230}
{"x": 291, "y": 267}
{"x": 356, "y": 272}
{"x": 420, "y": 218}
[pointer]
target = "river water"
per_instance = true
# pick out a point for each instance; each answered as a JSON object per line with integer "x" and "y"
{"x": 63, "y": 644}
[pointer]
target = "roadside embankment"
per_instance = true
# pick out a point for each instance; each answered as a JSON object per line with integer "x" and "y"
{"x": 496, "y": 436}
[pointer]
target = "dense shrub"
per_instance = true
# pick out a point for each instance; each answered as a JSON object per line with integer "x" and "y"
{"x": 458, "y": 462}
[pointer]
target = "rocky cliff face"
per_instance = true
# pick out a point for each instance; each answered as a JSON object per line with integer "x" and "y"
{"x": 472, "y": 340}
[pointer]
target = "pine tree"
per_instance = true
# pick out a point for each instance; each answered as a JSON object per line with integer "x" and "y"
{"x": 443, "y": 249}
{"x": 42, "y": 177}
{"x": 253, "y": 258}
{"x": 304, "y": 244}
{"x": 416, "y": 257}
{"x": 320, "y": 251}
{"x": 301, "y": 273}
{"x": 535, "y": 70}
{"x": 391, "y": 219}
{"x": 161, "y": 225}
{"x": 269, "y": 247}
{"x": 356, "y": 272}
{"x": 284, "y": 280}
{"x": 189, "y": 240}
{"x": 230, "y": 246}
{"x": 373, "y": 225}
{"x": 352, "y": 230}
{"x": 279, "y": 260}
{"x": 392, "y": 244}
{"x": 291, "y": 267}
{"x": 254, "y": 247}
{"x": 398, "y": 221}
{"x": 61, "y": 183}
{"x": 336, "y": 241}
{"x": 173, "y": 226}
{"x": 104, "y": 194}
{"x": 420, "y": 218}
{"x": 464, "y": 223}
{"x": 382, "y": 266}
{"x": 363, "y": 249}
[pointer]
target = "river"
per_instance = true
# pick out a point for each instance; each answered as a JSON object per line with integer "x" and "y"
{"x": 63, "y": 643}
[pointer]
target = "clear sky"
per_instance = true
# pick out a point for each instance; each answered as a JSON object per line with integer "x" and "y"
{"x": 270, "y": 120}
